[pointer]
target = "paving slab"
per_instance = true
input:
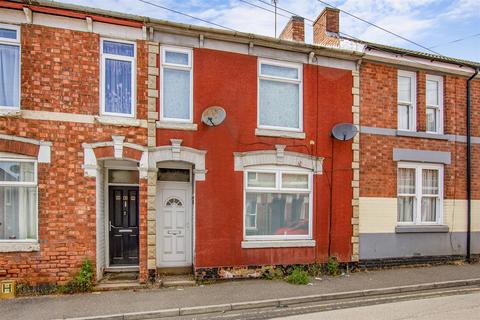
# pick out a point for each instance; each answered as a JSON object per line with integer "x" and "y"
{"x": 120, "y": 302}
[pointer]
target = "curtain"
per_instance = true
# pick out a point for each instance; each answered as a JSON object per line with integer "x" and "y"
{"x": 429, "y": 190}
{"x": 406, "y": 191}
{"x": 118, "y": 86}
{"x": 176, "y": 94}
{"x": 9, "y": 75}
{"x": 279, "y": 104}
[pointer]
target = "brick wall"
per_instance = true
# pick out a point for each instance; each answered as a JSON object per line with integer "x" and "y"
{"x": 379, "y": 109}
{"x": 60, "y": 72}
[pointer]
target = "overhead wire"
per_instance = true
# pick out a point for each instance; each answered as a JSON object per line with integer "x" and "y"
{"x": 187, "y": 15}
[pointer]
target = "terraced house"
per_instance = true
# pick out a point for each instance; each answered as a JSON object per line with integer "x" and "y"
{"x": 150, "y": 146}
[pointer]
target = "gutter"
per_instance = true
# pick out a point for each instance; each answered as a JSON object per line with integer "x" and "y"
{"x": 469, "y": 168}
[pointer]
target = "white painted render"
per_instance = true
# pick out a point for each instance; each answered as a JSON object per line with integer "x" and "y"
{"x": 379, "y": 215}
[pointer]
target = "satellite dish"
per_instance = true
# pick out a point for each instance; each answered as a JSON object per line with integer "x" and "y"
{"x": 213, "y": 116}
{"x": 344, "y": 131}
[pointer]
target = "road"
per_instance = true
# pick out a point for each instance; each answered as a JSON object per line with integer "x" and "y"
{"x": 465, "y": 306}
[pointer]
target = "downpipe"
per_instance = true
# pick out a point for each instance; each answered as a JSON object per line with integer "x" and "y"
{"x": 469, "y": 169}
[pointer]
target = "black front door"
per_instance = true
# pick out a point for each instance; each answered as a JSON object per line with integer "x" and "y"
{"x": 124, "y": 233}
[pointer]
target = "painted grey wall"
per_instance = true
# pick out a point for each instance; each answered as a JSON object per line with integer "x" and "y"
{"x": 398, "y": 245}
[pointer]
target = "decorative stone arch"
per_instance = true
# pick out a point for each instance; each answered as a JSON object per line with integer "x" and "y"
{"x": 26, "y": 146}
{"x": 176, "y": 152}
{"x": 277, "y": 157}
{"x": 116, "y": 149}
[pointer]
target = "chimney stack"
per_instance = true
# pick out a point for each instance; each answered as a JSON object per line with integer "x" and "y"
{"x": 326, "y": 28}
{"x": 294, "y": 30}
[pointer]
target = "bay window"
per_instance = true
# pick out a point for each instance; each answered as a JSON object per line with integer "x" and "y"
{"x": 118, "y": 78}
{"x": 177, "y": 85}
{"x": 9, "y": 66}
{"x": 278, "y": 204}
{"x": 434, "y": 99}
{"x": 18, "y": 199}
{"x": 420, "y": 193}
{"x": 280, "y": 105}
{"x": 406, "y": 99}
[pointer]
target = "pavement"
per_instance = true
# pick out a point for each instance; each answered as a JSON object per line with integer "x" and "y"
{"x": 119, "y": 302}
{"x": 465, "y": 306}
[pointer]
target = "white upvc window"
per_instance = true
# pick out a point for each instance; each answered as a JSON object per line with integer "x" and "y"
{"x": 419, "y": 193}
{"x": 9, "y": 66}
{"x": 406, "y": 100}
{"x": 434, "y": 99}
{"x": 176, "y": 83}
{"x": 118, "y": 73}
{"x": 278, "y": 203}
{"x": 280, "y": 95}
{"x": 18, "y": 200}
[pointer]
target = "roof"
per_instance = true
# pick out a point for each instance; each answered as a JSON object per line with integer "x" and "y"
{"x": 287, "y": 44}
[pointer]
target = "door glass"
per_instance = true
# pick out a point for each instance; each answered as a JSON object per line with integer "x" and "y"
{"x": 180, "y": 175}
{"x": 123, "y": 176}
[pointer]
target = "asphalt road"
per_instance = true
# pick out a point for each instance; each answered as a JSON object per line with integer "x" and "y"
{"x": 466, "y": 306}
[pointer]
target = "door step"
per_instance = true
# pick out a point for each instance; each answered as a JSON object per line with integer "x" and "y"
{"x": 177, "y": 281}
{"x": 122, "y": 269}
{"x": 118, "y": 281}
{"x": 118, "y": 285}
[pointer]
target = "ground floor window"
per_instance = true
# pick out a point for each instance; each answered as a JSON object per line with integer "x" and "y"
{"x": 18, "y": 199}
{"x": 278, "y": 203}
{"x": 420, "y": 193}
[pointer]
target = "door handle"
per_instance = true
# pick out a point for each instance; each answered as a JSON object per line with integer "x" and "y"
{"x": 174, "y": 232}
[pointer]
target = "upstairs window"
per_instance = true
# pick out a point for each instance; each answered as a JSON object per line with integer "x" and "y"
{"x": 18, "y": 199}
{"x": 118, "y": 78}
{"x": 9, "y": 66}
{"x": 406, "y": 97}
{"x": 278, "y": 204}
{"x": 280, "y": 103}
{"x": 420, "y": 193}
{"x": 434, "y": 101}
{"x": 177, "y": 85}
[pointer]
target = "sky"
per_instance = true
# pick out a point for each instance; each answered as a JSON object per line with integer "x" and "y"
{"x": 435, "y": 24}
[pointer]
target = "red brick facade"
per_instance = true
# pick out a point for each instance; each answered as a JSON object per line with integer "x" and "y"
{"x": 379, "y": 109}
{"x": 60, "y": 73}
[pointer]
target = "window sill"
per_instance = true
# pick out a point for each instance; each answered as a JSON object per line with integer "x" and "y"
{"x": 440, "y": 228}
{"x": 10, "y": 112}
{"x": 253, "y": 244}
{"x": 279, "y": 133}
{"x": 119, "y": 121}
{"x": 424, "y": 135}
{"x": 177, "y": 126}
{"x": 12, "y": 246}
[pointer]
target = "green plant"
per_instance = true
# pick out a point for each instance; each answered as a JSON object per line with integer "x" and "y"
{"x": 272, "y": 272}
{"x": 298, "y": 276}
{"x": 315, "y": 269}
{"x": 333, "y": 266}
{"x": 83, "y": 282}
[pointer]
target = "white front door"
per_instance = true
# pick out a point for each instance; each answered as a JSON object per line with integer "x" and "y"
{"x": 174, "y": 224}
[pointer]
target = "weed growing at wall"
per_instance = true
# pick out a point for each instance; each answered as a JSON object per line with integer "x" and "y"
{"x": 298, "y": 276}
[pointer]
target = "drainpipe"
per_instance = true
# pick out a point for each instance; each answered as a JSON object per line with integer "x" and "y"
{"x": 469, "y": 169}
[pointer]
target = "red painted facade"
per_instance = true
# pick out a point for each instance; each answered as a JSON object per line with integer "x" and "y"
{"x": 230, "y": 80}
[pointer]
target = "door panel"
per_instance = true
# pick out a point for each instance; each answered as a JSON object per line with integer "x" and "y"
{"x": 123, "y": 215}
{"x": 174, "y": 215}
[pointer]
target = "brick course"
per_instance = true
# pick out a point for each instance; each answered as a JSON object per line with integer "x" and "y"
{"x": 60, "y": 73}
{"x": 379, "y": 108}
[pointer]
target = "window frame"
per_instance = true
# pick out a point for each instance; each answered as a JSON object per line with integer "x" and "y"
{"x": 439, "y": 107}
{"x": 412, "y": 121}
{"x": 260, "y": 77}
{"x": 278, "y": 171}
{"x": 23, "y": 184}
{"x": 133, "y": 60}
{"x": 165, "y": 65}
{"x": 417, "y": 214}
{"x": 14, "y": 42}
